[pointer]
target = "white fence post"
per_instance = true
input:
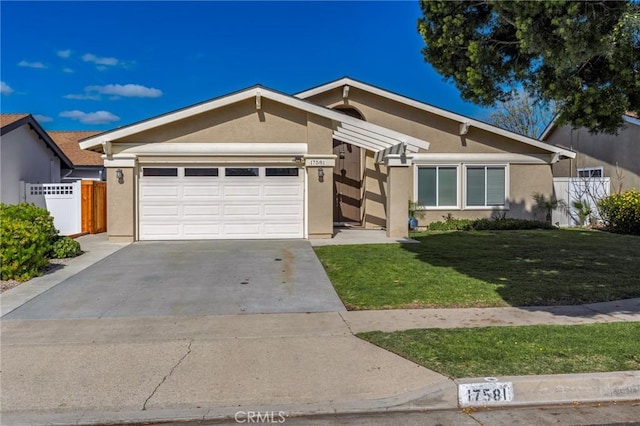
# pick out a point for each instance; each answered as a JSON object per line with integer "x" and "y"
{"x": 62, "y": 200}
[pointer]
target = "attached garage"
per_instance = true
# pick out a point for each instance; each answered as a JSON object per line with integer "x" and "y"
{"x": 186, "y": 202}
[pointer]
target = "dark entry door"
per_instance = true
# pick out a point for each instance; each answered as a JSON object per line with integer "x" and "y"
{"x": 347, "y": 183}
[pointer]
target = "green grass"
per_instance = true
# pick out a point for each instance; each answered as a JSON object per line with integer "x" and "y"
{"x": 486, "y": 268}
{"x": 507, "y": 351}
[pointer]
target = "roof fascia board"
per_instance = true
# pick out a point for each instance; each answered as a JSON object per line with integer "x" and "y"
{"x": 433, "y": 110}
{"x": 30, "y": 121}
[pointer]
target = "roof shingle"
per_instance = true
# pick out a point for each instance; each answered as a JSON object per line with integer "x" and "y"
{"x": 6, "y": 119}
{"x": 68, "y": 143}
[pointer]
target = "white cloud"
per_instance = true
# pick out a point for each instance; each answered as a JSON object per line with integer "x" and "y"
{"x": 31, "y": 64}
{"x": 68, "y": 70}
{"x": 90, "y": 57}
{"x": 43, "y": 118}
{"x": 64, "y": 53}
{"x": 97, "y": 117}
{"x": 126, "y": 90}
{"x": 82, "y": 97}
{"x": 5, "y": 89}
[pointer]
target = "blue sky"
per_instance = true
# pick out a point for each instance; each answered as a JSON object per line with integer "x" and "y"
{"x": 100, "y": 65}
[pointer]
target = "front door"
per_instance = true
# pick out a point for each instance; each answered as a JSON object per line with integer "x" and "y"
{"x": 347, "y": 183}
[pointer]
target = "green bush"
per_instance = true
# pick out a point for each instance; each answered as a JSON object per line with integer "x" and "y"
{"x": 65, "y": 247}
{"x": 508, "y": 224}
{"x": 621, "y": 212}
{"x": 498, "y": 223}
{"x": 27, "y": 238}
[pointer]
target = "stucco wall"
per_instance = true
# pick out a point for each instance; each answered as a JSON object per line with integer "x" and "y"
{"x": 440, "y": 132}
{"x": 121, "y": 204}
{"x": 618, "y": 155}
{"x": 239, "y": 122}
{"x": 25, "y": 157}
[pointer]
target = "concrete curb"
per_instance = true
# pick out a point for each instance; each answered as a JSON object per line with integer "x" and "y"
{"x": 554, "y": 389}
{"x": 527, "y": 391}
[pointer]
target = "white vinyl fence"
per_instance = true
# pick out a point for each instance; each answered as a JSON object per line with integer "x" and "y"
{"x": 62, "y": 200}
{"x": 585, "y": 190}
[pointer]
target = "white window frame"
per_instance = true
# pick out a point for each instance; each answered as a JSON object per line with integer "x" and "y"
{"x": 506, "y": 187}
{"x": 457, "y": 206}
{"x": 590, "y": 169}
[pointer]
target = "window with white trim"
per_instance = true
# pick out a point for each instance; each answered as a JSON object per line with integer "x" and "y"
{"x": 437, "y": 186}
{"x": 591, "y": 172}
{"x": 486, "y": 186}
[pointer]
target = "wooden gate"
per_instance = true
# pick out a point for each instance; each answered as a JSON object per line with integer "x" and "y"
{"x": 94, "y": 206}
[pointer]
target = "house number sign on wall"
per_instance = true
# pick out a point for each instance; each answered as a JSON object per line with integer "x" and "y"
{"x": 316, "y": 162}
{"x": 487, "y": 393}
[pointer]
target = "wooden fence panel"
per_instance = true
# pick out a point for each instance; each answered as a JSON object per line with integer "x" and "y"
{"x": 94, "y": 206}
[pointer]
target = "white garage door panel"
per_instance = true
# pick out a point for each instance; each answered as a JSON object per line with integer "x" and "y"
{"x": 210, "y": 211}
{"x": 161, "y": 192}
{"x": 280, "y": 210}
{"x": 201, "y": 230}
{"x": 221, "y": 207}
{"x": 200, "y": 191}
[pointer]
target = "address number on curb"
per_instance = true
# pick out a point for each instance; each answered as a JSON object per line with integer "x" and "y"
{"x": 487, "y": 393}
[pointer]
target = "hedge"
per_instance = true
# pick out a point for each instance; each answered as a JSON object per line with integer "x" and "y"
{"x": 621, "y": 212}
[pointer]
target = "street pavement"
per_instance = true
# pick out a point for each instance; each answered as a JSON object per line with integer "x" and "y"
{"x": 96, "y": 370}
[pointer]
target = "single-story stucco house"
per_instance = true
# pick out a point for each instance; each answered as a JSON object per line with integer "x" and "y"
{"x": 599, "y": 155}
{"x": 27, "y": 155}
{"x": 259, "y": 163}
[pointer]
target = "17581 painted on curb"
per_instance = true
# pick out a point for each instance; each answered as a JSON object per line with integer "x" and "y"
{"x": 486, "y": 393}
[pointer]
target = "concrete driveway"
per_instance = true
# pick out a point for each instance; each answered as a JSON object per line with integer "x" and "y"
{"x": 192, "y": 278}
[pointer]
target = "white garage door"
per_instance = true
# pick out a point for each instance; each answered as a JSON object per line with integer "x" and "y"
{"x": 186, "y": 203}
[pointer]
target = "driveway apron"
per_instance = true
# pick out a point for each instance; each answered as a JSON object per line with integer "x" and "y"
{"x": 192, "y": 278}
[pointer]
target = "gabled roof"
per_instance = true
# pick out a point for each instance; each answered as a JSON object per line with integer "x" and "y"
{"x": 346, "y": 128}
{"x": 628, "y": 117}
{"x": 68, "y": 143}
{"x": 10, "y": 122}
{"x": 347, "y": 81}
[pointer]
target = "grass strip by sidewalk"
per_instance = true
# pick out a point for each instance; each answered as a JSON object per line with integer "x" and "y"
{"x": 517, "y": 351}
{"x": 486, "y": 269}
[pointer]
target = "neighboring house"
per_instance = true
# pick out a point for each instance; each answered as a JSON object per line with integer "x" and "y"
{"x": 600, "y": 155}
{"x": 263, "y": 164}
{"x": 27, "y": 154}
{"x": 87, "y": 165}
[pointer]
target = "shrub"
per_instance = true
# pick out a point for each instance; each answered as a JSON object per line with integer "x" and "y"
{"x": 65, "y": 247}
{"x": 508, "y": 224}
{"x": 621, "y": 212}
{"x": 497, "y": 223}
{"x": 27, "y": 236}
{"x": 450, "y": 224}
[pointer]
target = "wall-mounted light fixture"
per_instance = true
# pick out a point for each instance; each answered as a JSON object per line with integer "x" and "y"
{"x": 120, "y": 176}
{"x": 320, "y": 174}
{"x": 297, "y": 158}
{"x": 341, "y": 155}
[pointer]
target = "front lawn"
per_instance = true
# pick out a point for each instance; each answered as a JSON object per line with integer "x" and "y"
{"x": 516, "y": 351}
{"x": 485, "y": 269}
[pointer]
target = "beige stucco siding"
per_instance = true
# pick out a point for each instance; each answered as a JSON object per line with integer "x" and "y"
{"x": 121, "y": 204}
{"x": 442, "y": 133}
{"x": 618, "y": 155}
{"x": 523, "y": 181}
{"x": 239, "y": 122}
{"x": 375, "y": 193}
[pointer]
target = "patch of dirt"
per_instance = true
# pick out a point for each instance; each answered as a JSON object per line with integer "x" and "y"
{"x": 53, "y": 265}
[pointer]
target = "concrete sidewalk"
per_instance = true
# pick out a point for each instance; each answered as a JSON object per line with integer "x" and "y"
{"x": 146, "y": 369}
{"x": 93, "y": 371}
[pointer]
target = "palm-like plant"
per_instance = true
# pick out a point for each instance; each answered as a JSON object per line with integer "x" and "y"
{"x": 547, "y": 205}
